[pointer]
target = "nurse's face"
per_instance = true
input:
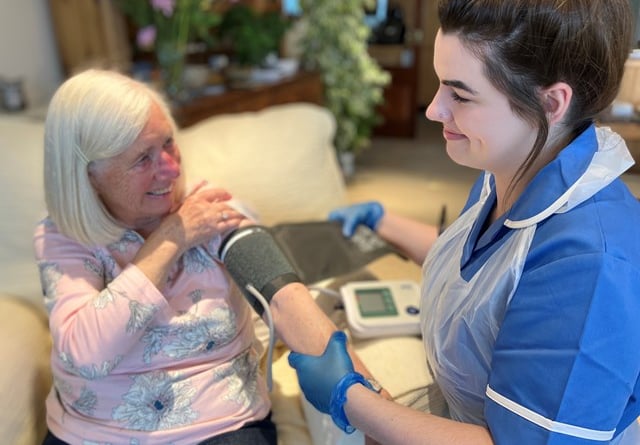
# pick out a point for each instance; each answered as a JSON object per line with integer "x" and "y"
{"x": 480, "y": 129}
{"x": 139, "y": 186}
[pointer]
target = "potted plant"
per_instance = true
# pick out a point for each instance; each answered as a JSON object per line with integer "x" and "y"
{"x": 335, "y": 44}
{"x": 252, "y": 35}
{"x": 166, "y": 27}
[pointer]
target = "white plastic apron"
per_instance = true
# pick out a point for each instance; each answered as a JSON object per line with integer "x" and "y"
{"x": 460, "y": 320}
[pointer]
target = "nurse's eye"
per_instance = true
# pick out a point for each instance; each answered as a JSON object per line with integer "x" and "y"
{"x": 457, "y": 98}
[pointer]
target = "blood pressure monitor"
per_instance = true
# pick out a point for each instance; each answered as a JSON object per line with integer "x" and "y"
{"x": 382, "y": 308}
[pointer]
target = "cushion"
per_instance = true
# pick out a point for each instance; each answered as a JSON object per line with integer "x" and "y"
{"x": 26, "y": 378}
{"x": 279, "y": 161}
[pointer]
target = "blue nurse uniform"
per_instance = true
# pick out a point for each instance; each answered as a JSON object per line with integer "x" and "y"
{"x": 532, "y": 325}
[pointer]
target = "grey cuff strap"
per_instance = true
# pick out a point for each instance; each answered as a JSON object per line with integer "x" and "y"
{"x": 273, "y": 286}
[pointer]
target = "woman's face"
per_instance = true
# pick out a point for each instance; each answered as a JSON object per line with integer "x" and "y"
{"x": 480, "y": 129}
{"x": 139, "y": 186}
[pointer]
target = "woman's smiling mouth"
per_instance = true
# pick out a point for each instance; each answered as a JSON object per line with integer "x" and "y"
{"x": 160, "y": 192}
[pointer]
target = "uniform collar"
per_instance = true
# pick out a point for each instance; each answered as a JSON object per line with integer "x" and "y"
{"x": 553, "y": 180}
{"x": 589, "y": 163}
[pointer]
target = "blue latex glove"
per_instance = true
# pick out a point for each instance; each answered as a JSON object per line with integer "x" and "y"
{"x": 319, "y": 375}
{"x": 367, "y": 213}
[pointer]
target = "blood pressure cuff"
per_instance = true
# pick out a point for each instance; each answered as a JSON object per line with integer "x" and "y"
{"x": 253, "y": 257}
{"x": 307, "y": 252}
{"x": 318, "y": 250}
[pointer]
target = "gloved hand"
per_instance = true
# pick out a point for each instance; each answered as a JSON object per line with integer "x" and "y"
{"x": 319, "y": 375}
{"x": 367, "y": 213}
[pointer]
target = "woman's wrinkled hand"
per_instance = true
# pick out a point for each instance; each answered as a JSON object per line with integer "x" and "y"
{"x": 204, "y": 213}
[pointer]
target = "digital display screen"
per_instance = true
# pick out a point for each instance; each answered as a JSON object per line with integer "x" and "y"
{"x": 376, "y": 302}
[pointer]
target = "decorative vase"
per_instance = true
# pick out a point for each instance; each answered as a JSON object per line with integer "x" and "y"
{"x": 347, "y": 160}
{"x": 171, "y": 58}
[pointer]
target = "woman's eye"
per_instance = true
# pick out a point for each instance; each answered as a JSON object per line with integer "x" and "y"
{"x": 143, "y": 159}
{"x": 456, "y": 97}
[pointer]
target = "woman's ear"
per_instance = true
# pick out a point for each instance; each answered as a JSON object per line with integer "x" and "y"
{"x": 556, "y": 100}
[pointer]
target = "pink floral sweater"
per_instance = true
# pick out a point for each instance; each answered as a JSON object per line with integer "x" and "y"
{"x": 136, "y": 365}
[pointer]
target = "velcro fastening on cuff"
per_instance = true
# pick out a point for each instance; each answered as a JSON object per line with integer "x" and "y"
{"x": 273, "y": 286}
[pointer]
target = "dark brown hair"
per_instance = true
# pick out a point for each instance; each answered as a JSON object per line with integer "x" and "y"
{"x": 526, "y": 45}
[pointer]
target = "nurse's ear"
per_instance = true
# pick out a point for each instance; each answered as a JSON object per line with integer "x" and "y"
{"x": 556, "y": 100}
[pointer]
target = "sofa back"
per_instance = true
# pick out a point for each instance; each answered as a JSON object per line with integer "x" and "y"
{"x": 280, "y": 161}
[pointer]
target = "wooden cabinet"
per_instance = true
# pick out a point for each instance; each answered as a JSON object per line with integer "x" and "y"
{"x": 301, "y": 87}
{"x": 402, "y": 61}
{"x": 400, "y": 105}
{"x": 428, "y": 82}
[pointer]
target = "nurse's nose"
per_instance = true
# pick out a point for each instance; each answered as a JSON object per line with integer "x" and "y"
{"x": 438, "y": 110}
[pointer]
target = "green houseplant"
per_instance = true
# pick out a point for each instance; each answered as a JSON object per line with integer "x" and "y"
{"x": 252, "y": 35}
{"x": 335, "y": 44}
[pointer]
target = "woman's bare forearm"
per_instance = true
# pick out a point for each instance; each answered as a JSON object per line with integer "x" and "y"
{"x": 303, "y": 326}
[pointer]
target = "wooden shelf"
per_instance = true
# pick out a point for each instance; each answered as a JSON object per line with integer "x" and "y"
{"x": 301, "y": 87}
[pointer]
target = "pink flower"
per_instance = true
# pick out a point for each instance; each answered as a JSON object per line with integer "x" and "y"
{"x": 146, "y": 36}
{"x": 165, "y": 6}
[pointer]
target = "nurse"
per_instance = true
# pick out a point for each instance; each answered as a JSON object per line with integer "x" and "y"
{"x": 531, "y": 298}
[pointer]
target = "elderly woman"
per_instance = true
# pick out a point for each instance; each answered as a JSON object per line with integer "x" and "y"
{"x": 151, "y": 339}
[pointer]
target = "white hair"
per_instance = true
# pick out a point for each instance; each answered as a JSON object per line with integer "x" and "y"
{"x": 94, "y": 115}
